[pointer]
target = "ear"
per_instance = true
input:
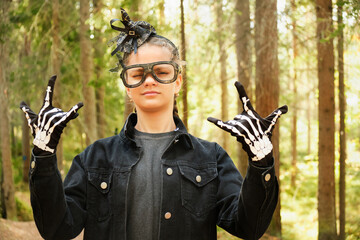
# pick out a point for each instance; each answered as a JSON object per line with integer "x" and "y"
{"x": 178, "y": 84}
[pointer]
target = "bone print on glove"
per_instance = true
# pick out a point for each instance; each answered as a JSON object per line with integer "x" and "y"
{"x": 49, "y": 124}
{"x": 253, "y": 131}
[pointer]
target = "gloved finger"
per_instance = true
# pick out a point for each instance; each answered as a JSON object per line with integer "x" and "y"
{"x": 49, "y": 92}
{"x": 220, "y": 124}
{"x": 281, "y": 110}
{"x": 243, "y": 97}
{"x": 245, "y": 119}
{"x": 72, "y": 113}
{"x": 30, "y": 116}
{"x": 274, "y": 116}
{"x": 24, "y": 107}
{"x": 53, "y": 118}
{"x": 27, "y": 110}
{"x": 225, "y": 126}
{"x": 213, "y": 120}
{"x": 23, "y": 104}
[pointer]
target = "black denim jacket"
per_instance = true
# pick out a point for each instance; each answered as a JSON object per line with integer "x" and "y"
{"x": 203, "y": 189}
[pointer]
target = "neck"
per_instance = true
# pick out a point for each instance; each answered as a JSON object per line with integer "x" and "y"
{"x": 155, "y": 122}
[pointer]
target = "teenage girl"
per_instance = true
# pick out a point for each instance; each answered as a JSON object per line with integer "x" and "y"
{"x": 154, "y": 180}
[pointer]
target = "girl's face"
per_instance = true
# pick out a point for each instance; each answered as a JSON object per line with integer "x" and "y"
{"x": 152, "y": 96}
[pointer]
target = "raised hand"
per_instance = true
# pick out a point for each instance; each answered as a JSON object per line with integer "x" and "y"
{"x": 47, "y": 126}
{"x": 253, "y": 131}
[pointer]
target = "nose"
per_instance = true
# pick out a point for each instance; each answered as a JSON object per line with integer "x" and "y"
{"x": 149, "y": 80}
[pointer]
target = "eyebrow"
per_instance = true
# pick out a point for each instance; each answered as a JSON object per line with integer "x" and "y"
{"x": 137, "y": 69}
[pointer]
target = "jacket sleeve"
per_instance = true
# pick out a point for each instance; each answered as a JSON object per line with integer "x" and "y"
{"x": 245, "y": 207}
{"x": 59, "y": 212}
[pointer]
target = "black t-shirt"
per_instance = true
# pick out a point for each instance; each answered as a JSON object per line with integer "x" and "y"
{"x": 144, "y": 194}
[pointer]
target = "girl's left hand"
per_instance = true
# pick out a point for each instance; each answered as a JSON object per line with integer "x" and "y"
{"x": 253, "y": 131}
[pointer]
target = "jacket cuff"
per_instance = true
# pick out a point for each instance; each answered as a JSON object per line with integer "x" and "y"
{"x": 43, "y": 165}
{"x": 267, "y": 161}
{"x": 264, "y": 176}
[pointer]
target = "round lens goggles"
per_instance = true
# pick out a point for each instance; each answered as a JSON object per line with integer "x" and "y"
{"x": 163, "y": 72}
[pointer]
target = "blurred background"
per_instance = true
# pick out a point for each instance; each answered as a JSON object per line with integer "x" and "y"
{"x": 302, "y": 53}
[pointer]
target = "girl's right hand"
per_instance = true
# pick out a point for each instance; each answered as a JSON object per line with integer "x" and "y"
{"x": 47, "y": 126}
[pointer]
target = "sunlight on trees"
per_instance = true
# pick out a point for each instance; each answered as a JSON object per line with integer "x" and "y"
{"x": 29, "y": 66}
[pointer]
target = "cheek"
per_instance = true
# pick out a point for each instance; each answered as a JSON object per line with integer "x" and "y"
{"x": 172, "y": 89}
{"x": 132, "y": 92}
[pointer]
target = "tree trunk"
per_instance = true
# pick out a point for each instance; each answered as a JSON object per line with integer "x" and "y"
{"x": 55, "y": 69}
{"x": 244, "y": 64}
{"x": 342, "y": 132}
{"x": 25, "y": 143}
{"x": 100, "y": 88}
{"x": 183, "y": 73}
{"x": 26, "y": 138}
{"x": 86, "y": 70}
{"x": 223, "y": 73}
{"x": 294, "y": 108}
{"x": 326, "y": 186}
{"x": 267, "y": 79}
{"x": 8, "y": 182}
{"x": 309, "y": 107}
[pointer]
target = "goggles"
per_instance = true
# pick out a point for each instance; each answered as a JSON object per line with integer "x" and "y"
{"x": 164, "y": 72}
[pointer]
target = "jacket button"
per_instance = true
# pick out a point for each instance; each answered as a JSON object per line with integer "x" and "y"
{"x": 103, "y": 185}
{"x": 267, "y": 177}
{"x": 198, "y": 178}
{"x": 33, "y": 164}
{"x": 167, "y": 215}
{"x": 169, "y": 171}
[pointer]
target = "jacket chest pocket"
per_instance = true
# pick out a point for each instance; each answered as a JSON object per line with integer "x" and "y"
{"x": 99, "y": 194}
{"x": 198, "y": 187}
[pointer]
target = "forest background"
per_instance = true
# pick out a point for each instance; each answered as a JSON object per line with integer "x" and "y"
{"x": 278, "y": 49}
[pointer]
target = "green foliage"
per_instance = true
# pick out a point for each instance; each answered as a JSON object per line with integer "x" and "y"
{"x": 223, "y": 235}
{"x": 352, "y": 192}
{"x": 23, "y": 210}
{"x": 17, "y": 164}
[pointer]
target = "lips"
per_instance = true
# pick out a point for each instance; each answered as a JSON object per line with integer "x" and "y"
{"x": 150, "y": 93}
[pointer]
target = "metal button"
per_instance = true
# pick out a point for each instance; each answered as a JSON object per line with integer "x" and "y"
{"x": 103, "y": 185}
{"x": 167, "y": 215}
{"x": 33, "y": 164}
{"x": 198, "y": 178}
{"x": 169, "y": 171}
{"x": 267, "y": 177}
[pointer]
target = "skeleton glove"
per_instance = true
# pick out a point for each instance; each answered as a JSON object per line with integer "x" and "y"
{"x": 253, "y": 131}
{"x": 47, "y": 126}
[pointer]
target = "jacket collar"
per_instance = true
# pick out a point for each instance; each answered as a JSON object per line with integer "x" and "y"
{"x": 182, "y": 133}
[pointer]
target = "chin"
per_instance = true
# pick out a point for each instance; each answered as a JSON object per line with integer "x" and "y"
{"x": 153, "y": 108}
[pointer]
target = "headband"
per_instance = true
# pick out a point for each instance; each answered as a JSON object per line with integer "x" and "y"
{"x": 131, "y": 37}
